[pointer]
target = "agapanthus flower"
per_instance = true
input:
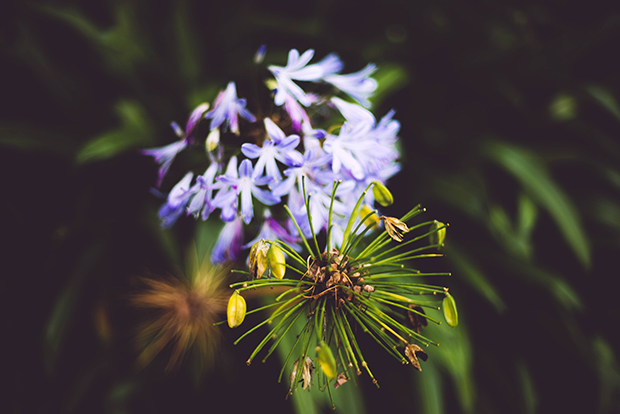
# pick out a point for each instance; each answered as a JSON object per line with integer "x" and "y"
{"x": 226, "y": 198}
{"x": 278, "y": 147}
{"x": 202, "y": 202}
{"x": 246, "y": 186}
{"x": 355, "y": 288}
{"x": 227, "y": 107}
{"x": 297, "y": 68}
{"x": 359, "y": 85}
{"x": 165, "y": 155}
{"x": 229, "y": 242}
{"x": 272, "y": 230}
{"x": 177, "y": 200}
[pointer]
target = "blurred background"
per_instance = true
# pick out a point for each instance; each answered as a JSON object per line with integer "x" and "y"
{"x": 510, "y": 132}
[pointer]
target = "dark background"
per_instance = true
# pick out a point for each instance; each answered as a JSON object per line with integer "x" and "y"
{"x": 510, "y": 123}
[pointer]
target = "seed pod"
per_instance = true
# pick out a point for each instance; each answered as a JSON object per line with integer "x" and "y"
{"x": 236, "y": 309}
{"x": 213, "y": 140}
{"x": 450, "y": 313}
{"x": 438, "y": 236}
{"x": 326, "y": 360}
{"x": 395, "y": 228}
{"x": 276, "y": 261}
{"x": 257, "y": 261}
{"x": 382, "y": 194}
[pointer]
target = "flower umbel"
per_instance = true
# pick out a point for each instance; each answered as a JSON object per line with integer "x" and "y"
{"x": 183, "y": 314}
{"x": 357, "y": 286}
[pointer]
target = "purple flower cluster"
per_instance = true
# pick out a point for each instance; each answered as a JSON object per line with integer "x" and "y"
{"x": 309, "y": 139}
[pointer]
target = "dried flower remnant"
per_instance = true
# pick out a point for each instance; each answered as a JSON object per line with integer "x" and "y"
{"x": 184, "y": 313}
{"x": 257, "y": 262}
{"x": 395, "y": 228}
{"x": 413, "y": 352}
{"x": 357, "y": 287}
{"x": 306, "y": 374}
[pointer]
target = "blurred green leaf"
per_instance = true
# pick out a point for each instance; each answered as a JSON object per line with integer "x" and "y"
{"x": 537, "y": 182}
{"x": 472, "y": 275}
{"x": 530, "y": 399}
{"x": 605, "y": 99}
{"x": 455, "y": 356}
{"x": 26, "y": 138}
{"x": 135, "y": 131}
{"x": 65, "y": 307}
{"x": 608, "y": 372}
{"x": 122, "y": 46}
{"x": 187, "y": 48}
{"x": 390, "y": 78}
{"x": 430, "y": 389}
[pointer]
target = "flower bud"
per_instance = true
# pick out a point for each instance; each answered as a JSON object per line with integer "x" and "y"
{"x": 382, "y": 194}
{"x": 438, "y": 236}
{"x": 260, "y": 54}
{"x": 449, "y": 310}
{"x": 236, "y": 309}
{"x": 395, "y": 227}
{"x": 276, "y": 261}
{"x": 372, "y": 220}
{"x": 326, "y": 360}
{"x": 213, "y": 140}
{"x": 257, "y": 261}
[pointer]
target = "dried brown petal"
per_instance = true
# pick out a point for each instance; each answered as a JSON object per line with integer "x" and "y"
{"x": 413, "y": 352}
{"x": 395, "y": 228}
{"x": 306, "y": 373}
{"x": 340, "y": 380}
{"x": 417, "y": 321}
{"x": 257, "y": 261}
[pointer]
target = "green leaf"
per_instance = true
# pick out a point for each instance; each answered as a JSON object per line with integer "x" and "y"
{"x": 122, "y": 46}
{"x": 390, "y": 78}
{"x": 605, "y": 98}
{"x": 474, "y": 276}
{"x": 187, "y": 48}
{"x": 537, "y": 182}
{"x": 454, "y": 356}
{"x": 134, "y": 132}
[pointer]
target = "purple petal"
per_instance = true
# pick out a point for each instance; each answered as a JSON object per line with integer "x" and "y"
{"x": 265, "y": 196}
{"x": 251, "y": 150}
{"x": 275, "y": 133}
{"x": 195, "y": 117}
{"x": 245, "y": 169}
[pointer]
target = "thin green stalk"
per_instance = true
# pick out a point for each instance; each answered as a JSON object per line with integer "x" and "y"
{"x": 353, "y": 214}
{"x": 299, "y": 231}
{"x": 331, "y": 213}
{"x": 307, "y": 201}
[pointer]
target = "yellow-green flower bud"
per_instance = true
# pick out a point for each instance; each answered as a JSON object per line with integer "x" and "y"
{"x": 382, "y": 194}
{"x": 438, "y": 236}
{"x": 450, "y": 313}
{"x": 372, "y": 220}
{"x": 272, "y": 84}
{"x": 213, "y": 140}
{"x": 276, "y": 261}
{"x": 326, "y": 360}
{"x": 236, "y": 309}
{"x": 257, "y": 261}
